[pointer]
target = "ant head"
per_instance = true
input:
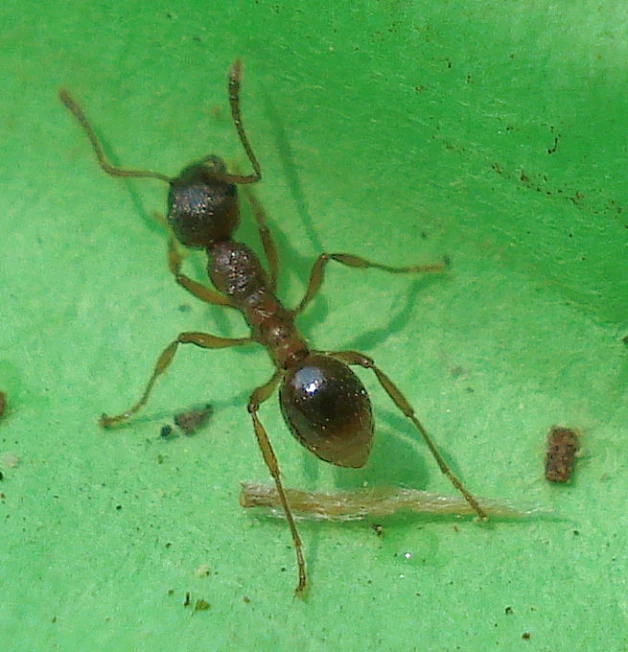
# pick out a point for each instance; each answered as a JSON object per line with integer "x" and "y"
{"x": 201, "y": 207}
{"x": 203, "y": 202}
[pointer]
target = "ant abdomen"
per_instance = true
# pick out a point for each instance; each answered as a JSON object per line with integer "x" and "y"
{"x": 328, "y": 410}
{"x": 201, "y": 207}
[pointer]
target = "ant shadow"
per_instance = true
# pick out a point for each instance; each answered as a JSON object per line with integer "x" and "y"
{"x": 397, "y": 462}
{"x": 290, "y": 172}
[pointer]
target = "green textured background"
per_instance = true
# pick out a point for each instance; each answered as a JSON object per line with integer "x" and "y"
{"x": 397, "y": 130}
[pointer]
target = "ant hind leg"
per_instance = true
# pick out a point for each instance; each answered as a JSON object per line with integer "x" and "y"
{"x": 258, "y": 396}
{"x": 355, "y": 358}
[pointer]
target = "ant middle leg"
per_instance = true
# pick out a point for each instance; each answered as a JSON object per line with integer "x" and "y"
{"x": 258, "y": 396}
{"x": 203, "y": 340}
{"x": 318, "y": 272}
{"x": 355, "y": 358}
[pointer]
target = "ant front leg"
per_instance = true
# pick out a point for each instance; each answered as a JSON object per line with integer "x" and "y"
{"x": 270, "y": 249}
{"x": 195, "y": 288}
{"x": 318, "y": 272}
{"x": 258, "y": 397}
{"x": 204, "y": 340}
{"x": 354, "y": 358}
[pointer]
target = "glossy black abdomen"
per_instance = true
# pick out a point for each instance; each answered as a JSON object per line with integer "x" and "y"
{"x": 328, "y": 410}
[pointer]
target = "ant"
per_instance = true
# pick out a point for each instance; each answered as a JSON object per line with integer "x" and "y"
{"x": 323, "y": 402}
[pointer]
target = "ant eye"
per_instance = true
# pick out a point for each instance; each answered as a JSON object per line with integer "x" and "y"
{"x": 212, "y": 163}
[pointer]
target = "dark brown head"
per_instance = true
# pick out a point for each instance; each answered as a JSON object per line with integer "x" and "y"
{"x": 201, "y": 208}
{"x": 203, "y": 202}
{"x": 328, "y": 410}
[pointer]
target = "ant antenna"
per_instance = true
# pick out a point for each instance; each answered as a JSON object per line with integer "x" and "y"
{"x": 76, "y": 110}
{"x": 235, "y": 73}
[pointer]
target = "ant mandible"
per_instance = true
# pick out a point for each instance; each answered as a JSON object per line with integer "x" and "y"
{"x": 324, "y": 404}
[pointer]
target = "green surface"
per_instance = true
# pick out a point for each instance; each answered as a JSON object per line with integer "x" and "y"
{"x": 397, "y": 130}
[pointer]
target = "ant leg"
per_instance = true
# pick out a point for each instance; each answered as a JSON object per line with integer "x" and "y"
{"x": 175, "y": 260}
{"x": 354, "y": 358}
{"x": 72, "y": 105}
{"x": 193, "y": 287}
{"x": 257, "y": 397}
{"x": 265, "y": 235}
{"x": 204, "y": 340}
{"x": 318, "y": 272}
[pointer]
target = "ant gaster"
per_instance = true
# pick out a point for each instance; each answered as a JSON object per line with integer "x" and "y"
{"x": 324, "y": 404}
